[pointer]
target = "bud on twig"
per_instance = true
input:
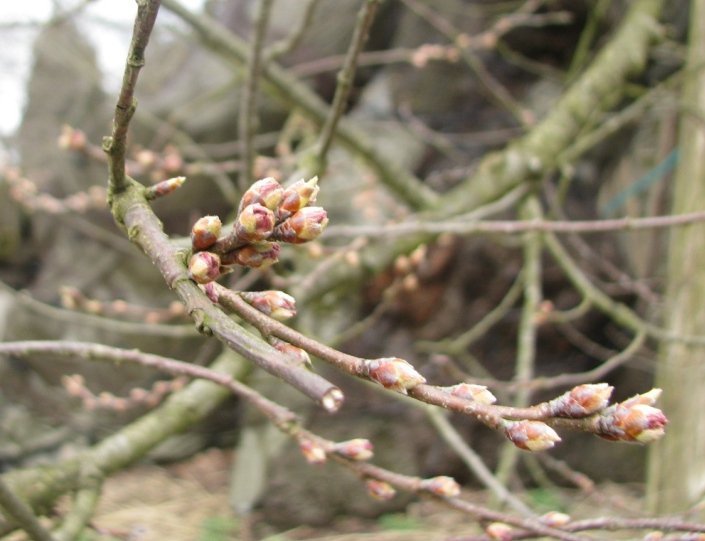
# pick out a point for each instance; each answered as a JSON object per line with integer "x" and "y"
{"x": 313, "y": 452}
{"x": 254, "y": 223}
{"x": 470, "y": 391}
{"x": 393, "y": 373}
{"x": 204, "y": 267}
{"x": 205, "y": 232}
{"x": 356, "y": 449}
{"x": 554, "y": 519}
{"x": 165, "y": 187}
{"x": 633, "y": 420}
{"x": 581, "y": 401}
{"x": 531, "y": 435}
{"x": 295, "y": 354}
{"x": 300, "y": 194}
{"x": 276, "y": 304}
{"x": 441, "y": 485}
{"x": 255, "y": 256}
{"x": 380, "y": 490}
{"x": 499, "y": 531}
{"x": 266, "y": 192}
{"x": 304, "y": 226}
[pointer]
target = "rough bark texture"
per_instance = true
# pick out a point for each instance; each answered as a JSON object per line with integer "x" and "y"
{"x": 677, "y": 470}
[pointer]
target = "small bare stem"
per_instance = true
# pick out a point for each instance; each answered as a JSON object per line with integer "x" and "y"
{"x": 22, "y": 514}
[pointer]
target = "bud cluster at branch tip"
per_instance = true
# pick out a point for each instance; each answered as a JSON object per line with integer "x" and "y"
{"x": 266, "y": 192}
{"x": 380, "y": 490}
{"x": 393, "y": 373}
{"x": 441, "y": 485}
{"x": 634, "y": 420}
{"x": 581, "y": 401}
{"x": 359, "y": 449}
{"x": 530, "y": 435}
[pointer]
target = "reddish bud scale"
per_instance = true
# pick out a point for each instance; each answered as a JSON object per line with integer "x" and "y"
{"x": 165, "y": 187}
{"x": 295, "y": 354}
{"x": 581, "y": 401}
{"x": 313, "y": 452}
{"x": 380, "y": 490}
{"x": 266, "y": 192}
{"x": 254, "y": 256}
{"x": 304, "y": 226}
{"x": 205, "y": 232}
{"x": 276, "y": 304}
{"x": 204, "y": 267}
{"x": 298, "y": 195}
{"x": 254, "y": 224}
{"x": 442, "y": 485}
{"x": 393, "y": 373}
{"x": 356, "y": 449}
{"x": 638, "y": 423}
{"x": 470, "y": 391}
{"x": 531, "y": 435}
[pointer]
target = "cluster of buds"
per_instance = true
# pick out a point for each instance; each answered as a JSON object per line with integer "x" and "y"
{"x": 393, "y": 373}
{"x": 268, "y": 214}
{"x": 634, "y": 420}
{"x": 530, "y": 435}
{"x": 75, "y": 386}
{"x": 581, "y": 401}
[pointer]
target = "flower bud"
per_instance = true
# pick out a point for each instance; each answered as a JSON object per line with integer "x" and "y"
{"x": 266, "y": 192}
{"x": 441, "y": 485}
{"x": 255, "y": 223}
{"x": 531, "y": 435}
{"x": 470, "y": 391}
{"x": 648, "y": 398}
{"x": 255, "y": 256}
{"x": 298, "y": 195}
{"x": 71, "y": 138}
{"x": 295, "y": 354}
{"x": 633, "y": 422}
{"x": 582, "y": 400}
{"x": 306, "y": 225}
{"x": 356, "y": 449}
{"x": 165, "y": 187}
{"x": 554, "y": 519}
{"x": 393, "y": 373}
{"x": 380, "y": 490}
{"x": 313, "y": 452}
{"x": 276, "y": 304}
{"x": 499, "y": 531}
{"x": 204, "y": 267}
{"x": 205, "y": 232}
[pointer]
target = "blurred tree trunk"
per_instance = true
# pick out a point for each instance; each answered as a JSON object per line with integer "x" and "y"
{"x": 676, "y": 478}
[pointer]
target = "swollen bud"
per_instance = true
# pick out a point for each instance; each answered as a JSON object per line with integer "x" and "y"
{"x": 266, "y": 192}
{"x": 393, "y": 373}
{"x": 554, "y": 519}
{"x": 313, "y": 452}
{"x": 441, "y": 485}
{"x": 356, "y": 449}
{"x": 276, "y": 304}
{"x": 165, "y": 187}
{"x": 298, "y": 196}
{"x": 304, "y": 226}
{"x": 204, "y": 267}
{"x": 633, "y": 422}
{"x": 470, "y": 391}
{"x": 499, "y": 531}
{"x": 295, "y": 354}
{"x": 205, "y": 232}
{"x": 531, "y": 435}
{"x": 254, "y": 223}
{"x": 380, "y": 490}
{"x": 254, "y": 256}
{"x": 582, "y": 400}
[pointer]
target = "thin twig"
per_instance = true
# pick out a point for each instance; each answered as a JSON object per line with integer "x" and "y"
{"x": 288, "y": 44}
{"x": 248, "y": 102}
{"x": 115, "y": 146}
{"x": 22, "y": 513}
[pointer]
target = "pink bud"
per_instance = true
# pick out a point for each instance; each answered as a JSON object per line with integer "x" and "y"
{"x": 582, "y": 400}
{"x": 205, "y": 232}
{"x": 635, "y": 423}
{"x": 470, "y": 391}
{"x": 554, "y": 519}
{"x": 204, "y": 267}
{"x": 266, "y": 192}
{"x": 394, "y": 373}
{"x": 356, "y": 449}
{"x": 531, "y": 435}
{"x": 254, "y": 223}
{"x": 276, "y": 304}
{"x": 165, "y": 187}
{"x": 313, "y": 452}
{"x": 441, "y": 485}
{"x": 304, "y": 226}
{"x": 380, "y": 490}
{"x": 255, "y": 256}
{"x": 499, "y": 531}
{"x": 299, "y": 195}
